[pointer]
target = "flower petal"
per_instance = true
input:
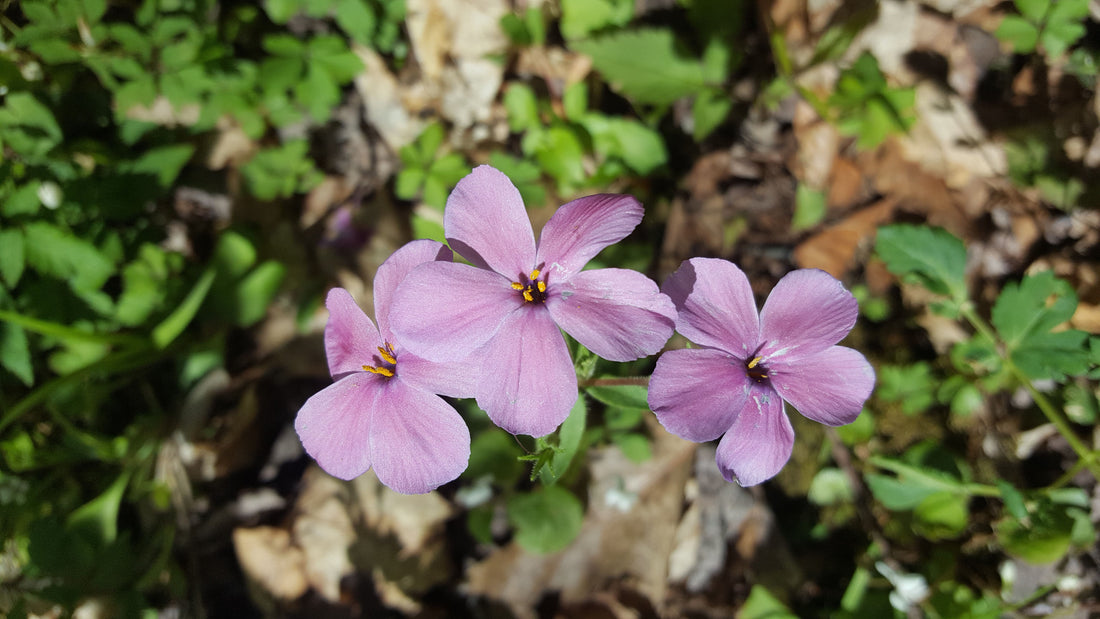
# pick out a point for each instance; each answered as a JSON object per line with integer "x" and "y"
{"x": 697, "y": 393}
{"x": 715, "y": 304}
{"x": 418, "y": 441}
{"x": 457, "y": 379}
{"x": 582, "y": 228}
{"x": 443, "y": 311}
{"x": 760, "y": 441}
{"x": 528, "y": 384}
{"x": 335, "y": 424}
{"x": 618, "y": 314}
{"x": 351, "y": 340}
{"x": 829, "y": 387}
{"x": 807, "y": 312}
{"x": 486, "y": 222}
{"x": 393, "y": 271}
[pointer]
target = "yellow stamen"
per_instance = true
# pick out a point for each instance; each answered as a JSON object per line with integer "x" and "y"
{"x": 517, "y": 286}
{"x": 387, "y": 354}
{"x": 527, "y": 295}
{"x": 755, "y": 361}
{"x": 542, "y": 286}
{"x": 534, "y": 274}
{"x": 383, "y": 371}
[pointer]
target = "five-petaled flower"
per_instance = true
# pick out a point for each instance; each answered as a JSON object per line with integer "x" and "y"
{"x": 747, "y": 364}
{"x": 383, "y": 410}
{"x": 503, "y": 313}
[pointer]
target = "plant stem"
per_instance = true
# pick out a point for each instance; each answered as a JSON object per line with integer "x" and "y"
{"x": 640, "y": 381}
{"x": 1053, "y": 415}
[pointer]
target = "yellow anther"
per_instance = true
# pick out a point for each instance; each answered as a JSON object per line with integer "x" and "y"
{"x": 542, "y": 286}
{"x": 383, "y": 371}
{"x": 535, "y": 274}
{"x": 753, "y": 363}
{"x": 387, "y": 354}
{"x": 527, "y": 295}
{"x": 517, "y": 286}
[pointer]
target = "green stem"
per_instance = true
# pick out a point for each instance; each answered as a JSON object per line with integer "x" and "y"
{"x": 1053, "y": 415}
{"x": 63, "y": 332}
{"x": 640, "y": 381}
{"x": 933, "y": 481}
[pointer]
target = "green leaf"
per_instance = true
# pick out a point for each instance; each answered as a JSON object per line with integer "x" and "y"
{"x": 97, "y": 520}
{"x": 23, "y": 201}
{"x": 1034, "y": 10}
{"x": 559, "y": 152}
{"x": 1058, "y": 36}
{"x": 910, "y": 385}
{"x": 574, "y": 101}
{"x": 524, "y": 174}
{"x": 579, "y": 18}
{"x": 1024, "y": 316}
{"x": 634, "y": 446}
{"x": 935, "y": 257}
{"x": 636, "y": 145}
{"x": 55, "y": 252}
{"x": 170, "y": 328}
{"x": 645, "y": 66}
{"x": 809, "y": 207}
{"x": 761, "y": 604}
{"x": 12, "y": 257}
{"x": 522, "y": 107}
{"x": 622, "y": 396}
{"x": 255, "y": 292}
{"x": 1020, "y": 33}
{"x": 143, "y": 286}
{"x": 27, "y": 126}
{"x": 494, "y": 453}
{"x": 619, "y": 418}
{"x": 15, "y": 353}
{"x": 546, "y": 520}
{"x": 896, "y": 494}
{"x": 1066, "y": 10}
{"x": 357, "y": 18}
{"x": 569, "y": 441}
{"x": 1013, "y": 498}
{"x": 163, "y": 163}
{"x": 941, "y": 515}
{"x": 708, "y": 111}
{"x": 1044, "y": 536}
{"x": 830, "y": 487}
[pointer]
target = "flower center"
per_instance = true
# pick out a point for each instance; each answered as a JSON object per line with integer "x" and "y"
{"x": 533, "y": 290}
{"x": 756, "y": 371}
{"x": 387, "y": 366}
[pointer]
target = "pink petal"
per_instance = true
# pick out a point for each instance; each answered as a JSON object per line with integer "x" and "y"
{"x": 457, "y": 379}
{"x": 418, "y": 441}
{"x": 760, "y": 441}
{"x": 393, "y": 271}
{"x": 443, "y": 311}
{"x": 697, "y": 393}
{"x": 807, "y": 312}
{"x": 486, "y": 222}
{"x": 582, "y": 228}
{"x": 715, "y": 304}
{"x": 528, "y": 384}
{"x": 335, "y": 424}
{"x": 829, "y": 387}
{"x": 618, "y": 314}
{"x": 351, "y": 340}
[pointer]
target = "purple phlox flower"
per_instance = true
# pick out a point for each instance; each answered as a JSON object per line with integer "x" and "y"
{"x": 382, "y": 410}
{"x": 506, "y": 309}
{"x": 747, "y": 365}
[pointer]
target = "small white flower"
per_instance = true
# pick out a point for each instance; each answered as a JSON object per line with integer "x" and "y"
{"x": 909, "y": 589}
{"x": 49, "y": 194}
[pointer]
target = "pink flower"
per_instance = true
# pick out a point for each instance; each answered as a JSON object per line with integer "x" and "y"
{"x": 506, "y": 309}
{"x": 383, "y": 410}
{"x": 735, "y": 383}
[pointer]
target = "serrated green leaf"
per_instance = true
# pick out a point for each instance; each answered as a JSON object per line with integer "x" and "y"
{"x": 913, "y": 386}
{"x": 55, "y": 252}
{"x": 645, "y": 66}
{"x": 1033, "y": 10}
{"x": 546, "y": 520}
{"x": 12, "y": 258}
{"x": 1020, "y": 33}
{"x": 932, "y": 255}
{"x": 1024, "y": 315}
{"x": 357, "y": 18}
